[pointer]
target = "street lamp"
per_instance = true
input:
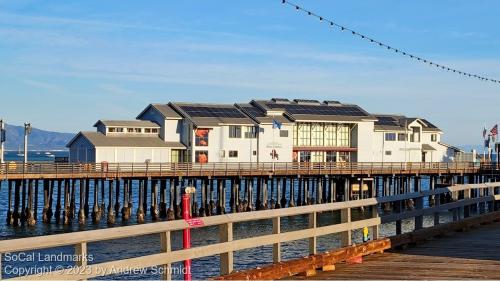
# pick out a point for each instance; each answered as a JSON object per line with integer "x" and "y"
{"x": 27, "y": 131}
{"x": 2, "y": 140}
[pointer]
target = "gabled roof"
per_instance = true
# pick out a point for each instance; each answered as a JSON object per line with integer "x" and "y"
{"x": 313, "y": 110}
{"x": 212, "y": 115}
{"x": 164, "y": 109}
{"x": 98, "y": 139}
{"x": 260, "y": 116}
{"x": 389, "y": 122}
{"x": 127, "y": 123}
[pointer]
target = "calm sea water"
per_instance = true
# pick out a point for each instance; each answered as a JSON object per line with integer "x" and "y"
{"x": 143, "y": 245}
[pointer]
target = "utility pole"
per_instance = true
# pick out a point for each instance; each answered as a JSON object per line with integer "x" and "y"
{"x": 27, "y": 131}
{"x": 2, "y": 140}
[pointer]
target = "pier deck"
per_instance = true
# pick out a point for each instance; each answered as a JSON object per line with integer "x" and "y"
{"x": 458, "y": 255}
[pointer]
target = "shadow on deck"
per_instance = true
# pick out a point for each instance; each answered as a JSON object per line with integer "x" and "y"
{"x": 474, "y": 254}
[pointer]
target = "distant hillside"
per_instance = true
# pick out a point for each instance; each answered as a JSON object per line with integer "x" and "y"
{"x": 38, "y": 140}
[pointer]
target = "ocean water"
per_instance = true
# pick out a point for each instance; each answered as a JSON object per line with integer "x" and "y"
{"x": 149, "y": 244}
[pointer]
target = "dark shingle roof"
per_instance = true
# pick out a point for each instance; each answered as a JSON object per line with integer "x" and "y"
{"x": 100, "y": 140}
{"x": 398, "y": 123}
{"x": 166, "y": 110}
{"x": 211, "y": 115}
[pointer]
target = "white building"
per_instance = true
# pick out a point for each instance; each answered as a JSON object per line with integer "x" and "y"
{"x": 262, "y": 131}
{"x": 122, "y": 142}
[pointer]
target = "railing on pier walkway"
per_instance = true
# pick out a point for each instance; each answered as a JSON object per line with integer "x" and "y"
{"x": 484, "y": 196}
{"x": 97, "y": 170}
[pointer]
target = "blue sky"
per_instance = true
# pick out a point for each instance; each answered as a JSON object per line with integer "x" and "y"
{"x": 63, "y": 64}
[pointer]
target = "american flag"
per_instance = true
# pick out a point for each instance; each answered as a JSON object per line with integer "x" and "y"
{"x": 494, "y": 130}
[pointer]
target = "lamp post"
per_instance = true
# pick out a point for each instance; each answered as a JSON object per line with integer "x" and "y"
{"x": 2, "y": 140}
{"x": 27, "y": 131}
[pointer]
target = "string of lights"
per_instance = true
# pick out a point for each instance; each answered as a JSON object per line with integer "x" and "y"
{"x": 384, "y": 45}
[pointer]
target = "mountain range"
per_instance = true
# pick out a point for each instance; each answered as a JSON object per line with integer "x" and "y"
{"x": 37, "y": 140}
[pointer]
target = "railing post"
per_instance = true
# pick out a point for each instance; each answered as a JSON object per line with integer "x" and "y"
{"x": 345, "y": 217}
{"x": 166, "y": 247}
{"x": 312, "y": 240}
{"x": 81, "y": 254}
{"x": 226, "y": 259}
{"x": 375, "y": 228}
{"x": 277, "y": 246}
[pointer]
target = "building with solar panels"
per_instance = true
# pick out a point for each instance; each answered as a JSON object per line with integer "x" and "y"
{"x": 398, "y": 138}
{"x": 278, "y": 130}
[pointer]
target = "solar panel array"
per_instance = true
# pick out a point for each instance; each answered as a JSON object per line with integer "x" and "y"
{"x": 280, "y": 100}
{"x": 319, "y": 109}
{"x": 305, "y": 101}
{"x": 428, "y": 124}
{"x": 254, "y": 111}
{"x": 205, "y": 111}
{"x": 387, "y": 121}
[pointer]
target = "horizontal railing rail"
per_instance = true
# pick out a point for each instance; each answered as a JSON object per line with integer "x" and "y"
{"x": 470, "y": 194}
{"x": 12, "y": 169}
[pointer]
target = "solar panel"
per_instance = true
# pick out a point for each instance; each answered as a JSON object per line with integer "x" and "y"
{"x": 302, "y": 101}
{"x": 254, "y": 111}
{"x": 387, "y": 121}
{"x": 280, "y": 100}
{"x": 205, "y": 111}
{"x": 331, "y": 102}
{"x": 428, "y": 124}
{"x": 319, "y": 109}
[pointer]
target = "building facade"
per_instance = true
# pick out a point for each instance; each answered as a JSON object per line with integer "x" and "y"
{"x": 275, "y": 130}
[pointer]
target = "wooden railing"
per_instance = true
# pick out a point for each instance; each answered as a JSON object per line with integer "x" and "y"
{"x": 484, "y": 195}
{"x": 32, "y": 169}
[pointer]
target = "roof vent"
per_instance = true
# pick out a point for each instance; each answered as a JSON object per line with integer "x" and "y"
{"x": 300, "y": 101}
{"x": 280, "y": 100}
{"x": 332, "y": 102}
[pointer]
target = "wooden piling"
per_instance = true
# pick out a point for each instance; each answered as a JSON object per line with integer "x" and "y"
{"x": 67, "y": 210}
{"x": 96, "y": 211}
{"x": 140, "y": 209}
{"x": 154, "y": 200}
{"x": 81, "y": 212}
{"x": 31, "y": 220}
{"x": 117, "y": 197}
{"x": 9, "y": 218}
{"x": 111, "y": 212}
{"x": 15, "y": 214}
{"x": 57, "y": 214}
{"x": 163, "y": 198}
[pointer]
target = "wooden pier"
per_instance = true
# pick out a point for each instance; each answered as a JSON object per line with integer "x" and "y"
{"x": 470, "y": 204}
{"x": 473, "y": 254}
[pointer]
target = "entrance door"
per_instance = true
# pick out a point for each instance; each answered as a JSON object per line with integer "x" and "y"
{"x": 423, "y": 156}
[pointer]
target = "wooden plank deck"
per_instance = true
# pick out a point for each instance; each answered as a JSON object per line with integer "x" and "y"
{"x": 473, "y": 254}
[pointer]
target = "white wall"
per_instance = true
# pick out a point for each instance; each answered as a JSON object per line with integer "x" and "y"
{"x": 282, "y": 145}
{"x": 363, "y": 137}
{"x": 132, "y": 154}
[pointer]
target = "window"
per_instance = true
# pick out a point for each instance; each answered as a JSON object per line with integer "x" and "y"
{"x": 401, "y": 137}
{"x": 119, "y": 130}
{"x": 390, "y": 136}
{"x": 138, "y": 130}
{"x": 317, "y": 135}
{"x": 233, "y": 153}
{"x": 251, "y": 132}
{"x": 254, "y": 153}
{"x": 330, "y": 135}
{"x": 388, "y": 152}
{"x": 111, "y": 130}
{"x": 331, "y": 156}
{"x": 304, "y": 137}
{"x": 130, "y": 130}
{"x": 284, "y": 133}
{"x": 235, "y": 132}
{"x": 154, "y": 131}
{"x": 317, "y": 156}
{"x": 201, "y": 137}
{"x": 343, "y": 135}
{"x": 434, "y": 137}
{"x": 147, "y": 130}
{"x": 295, "y": 135}
{"x": 344, "y": 156}
{"x": 201, "y": 156}
{"x": 305, "y": 156}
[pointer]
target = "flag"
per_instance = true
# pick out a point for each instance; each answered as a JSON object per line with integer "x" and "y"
{"x": 276, "y": 124}
{"x": 494, "y": 130}
{"x": 484, "y": 133}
